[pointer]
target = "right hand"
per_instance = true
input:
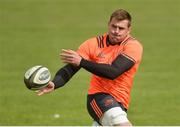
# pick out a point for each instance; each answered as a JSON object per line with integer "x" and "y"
{"x": 71, "y": 57}
{"x": 49, "y": 88}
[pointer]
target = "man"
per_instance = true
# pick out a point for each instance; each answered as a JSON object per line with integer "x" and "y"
{"x": 113, "y": 59}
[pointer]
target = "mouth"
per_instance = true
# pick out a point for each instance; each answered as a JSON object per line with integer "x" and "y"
{"x": 116, "y": 37}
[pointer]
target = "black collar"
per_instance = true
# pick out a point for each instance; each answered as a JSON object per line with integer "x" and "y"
{"x": 108, "y": 42}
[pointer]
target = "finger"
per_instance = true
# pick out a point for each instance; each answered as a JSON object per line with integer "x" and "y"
{"x": 67, "y": 51}
{"x": 40, "y": 93}
{"x": 73, "y": 52}
{"x": 70, "y": 55}
{"x": 37, "y": 91}
{"x": 66, "y": 59}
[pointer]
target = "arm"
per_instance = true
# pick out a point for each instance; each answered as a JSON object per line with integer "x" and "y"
{"x": 120, "y": 65}
{"x": 60, "y": 79}
{"x": 64, "y": 75}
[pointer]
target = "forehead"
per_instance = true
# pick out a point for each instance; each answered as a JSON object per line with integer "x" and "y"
{"x": 119, "y": 22}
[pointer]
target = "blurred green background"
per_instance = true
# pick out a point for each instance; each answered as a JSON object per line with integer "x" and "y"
{"x": 33, "y": 32}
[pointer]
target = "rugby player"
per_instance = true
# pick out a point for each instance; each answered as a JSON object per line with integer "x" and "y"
{"x": 113, "y": 59}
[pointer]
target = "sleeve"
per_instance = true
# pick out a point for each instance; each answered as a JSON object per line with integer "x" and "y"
{"x": 87, "y": 48}
{"x": 64, "y": 74}
{"x": 133, "y": 50}
{"x": 120, "y": 65}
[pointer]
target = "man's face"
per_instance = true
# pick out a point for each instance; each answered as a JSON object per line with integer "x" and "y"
{"x": 118, "y": 30}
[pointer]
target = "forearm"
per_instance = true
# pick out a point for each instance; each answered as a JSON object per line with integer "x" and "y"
{"x": 102, "y": 70}
{"x": 64, "y": 75}
{"x": 120, "y": 65}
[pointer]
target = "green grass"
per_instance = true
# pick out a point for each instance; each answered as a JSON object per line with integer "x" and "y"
{"x": 33, "y": 32}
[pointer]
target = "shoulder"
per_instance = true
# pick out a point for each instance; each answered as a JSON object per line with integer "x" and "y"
{"x": 90, "y": 41}
{"x": 134, "y": 43}
{"x": 133, "y": 49}
{"x": 88, "y": 48}
{"x": 95, "y": 41}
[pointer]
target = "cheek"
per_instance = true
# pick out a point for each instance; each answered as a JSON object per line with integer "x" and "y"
{"x": 125, "y": 32}
{"x": 110, "y": 30}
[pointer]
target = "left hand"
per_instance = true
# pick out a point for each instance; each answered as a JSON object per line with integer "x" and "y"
{"x": 71, "y": 57}
{"x": 49, "y": 88}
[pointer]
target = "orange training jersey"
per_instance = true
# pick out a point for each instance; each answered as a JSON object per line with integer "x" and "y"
{"x": 98, "y": 50}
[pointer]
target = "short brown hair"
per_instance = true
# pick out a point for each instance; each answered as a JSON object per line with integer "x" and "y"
{"x": 121, "y": 14}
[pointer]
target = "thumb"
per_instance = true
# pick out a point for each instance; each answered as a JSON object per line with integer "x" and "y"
{"x": 40, "y": 92}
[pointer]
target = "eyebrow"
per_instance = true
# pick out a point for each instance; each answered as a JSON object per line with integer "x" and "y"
{"x": 118, "y": 26}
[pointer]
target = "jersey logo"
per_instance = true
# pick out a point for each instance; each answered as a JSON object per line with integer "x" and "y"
{"x": 108, "y": 102}
{"x": 101, "y": 55}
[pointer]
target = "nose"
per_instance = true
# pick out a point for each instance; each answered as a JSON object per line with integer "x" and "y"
{"x": 116, "y": 31}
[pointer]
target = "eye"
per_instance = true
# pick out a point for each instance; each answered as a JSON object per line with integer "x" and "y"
{"x": 121, "y": 28}
{"x": 114, "y": 26}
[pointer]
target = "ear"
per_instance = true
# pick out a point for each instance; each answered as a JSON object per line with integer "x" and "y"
{"x": 129, "y": 29}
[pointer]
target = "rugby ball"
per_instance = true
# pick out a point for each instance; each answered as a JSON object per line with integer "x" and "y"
{"x": 37, "y": 77}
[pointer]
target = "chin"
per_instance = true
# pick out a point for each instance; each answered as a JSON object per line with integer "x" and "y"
{"x": 115, "y": 41}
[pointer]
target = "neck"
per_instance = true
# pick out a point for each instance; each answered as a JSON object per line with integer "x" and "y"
{"x": 109, "y": 42}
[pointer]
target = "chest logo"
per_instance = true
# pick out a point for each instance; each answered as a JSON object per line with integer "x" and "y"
{"x": 101, "y": 55}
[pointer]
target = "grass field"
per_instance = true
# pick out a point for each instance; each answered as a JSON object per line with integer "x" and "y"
{"x": 33, "y": 32}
